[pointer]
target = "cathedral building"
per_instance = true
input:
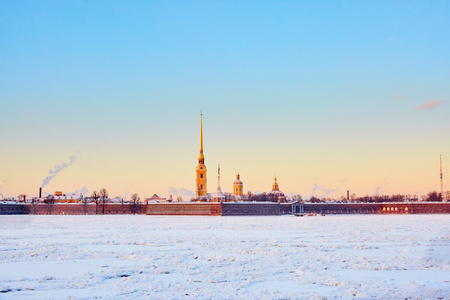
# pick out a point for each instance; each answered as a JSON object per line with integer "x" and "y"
{"x": 276, "y": 193}
{"x": 200, "y": 190}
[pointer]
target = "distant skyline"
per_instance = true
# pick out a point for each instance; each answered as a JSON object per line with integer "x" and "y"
{"x": 329, "y": 96}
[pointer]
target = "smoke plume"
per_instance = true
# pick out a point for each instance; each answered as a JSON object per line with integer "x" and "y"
{"x": 319, "y": 188}
{"x": 84, "y": 191}
{"x": 183, "y": 192}
{"x": 377, "y": 191}
{"x": 58, "y": 168}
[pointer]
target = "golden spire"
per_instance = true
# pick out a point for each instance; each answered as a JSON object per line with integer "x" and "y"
{"x": 201, "y": 133}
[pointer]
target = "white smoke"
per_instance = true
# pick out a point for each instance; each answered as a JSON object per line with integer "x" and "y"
{"x": 185, "y": 193}
{"x": 126, "y": 195}
{"x": 377, "y": 191}
{"x": 84, "y": 191}
{"x": 319, "y": 188}
{"x": 58, "y": 168}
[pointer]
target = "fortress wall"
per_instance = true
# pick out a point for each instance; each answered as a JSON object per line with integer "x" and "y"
{"x": 82, "y": 209}
{"x": 431, "y": 208}
{"x": 225, "y": 209}
{"x": 379, "y": 208}
{"x": 286, "y": 209}
{"x": 251, "y": 209}
{"x": 12, "y": 209}
{"x": 196, "y": 209}
{"x": 416, "y": 208}
{"x": 398, "y": 208}
{"x": 344, "y": 208}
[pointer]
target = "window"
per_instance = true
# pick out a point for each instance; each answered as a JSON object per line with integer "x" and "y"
{"x": 201, "y": 175}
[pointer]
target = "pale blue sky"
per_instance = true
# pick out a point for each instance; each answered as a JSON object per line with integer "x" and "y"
{"x": 274, "y": 78}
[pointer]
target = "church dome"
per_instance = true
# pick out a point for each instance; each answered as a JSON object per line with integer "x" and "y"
{"x": 238, "y": 180}
{"x": 276, "y": 190}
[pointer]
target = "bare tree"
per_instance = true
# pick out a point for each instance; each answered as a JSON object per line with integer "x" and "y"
{"x": 84, "y": 201}
{"x": 297, "y": 197}
{"x": 434, "y": 196}
{"x": 104, "y": 197}
{"x": 135, "y": 203}
{"x": 315, "y": 200}
{"x": 50, "y": 200}
{"x": 22, "y": 197}
{"x": 180, "y": 199}
{"x": 95, "y": 195}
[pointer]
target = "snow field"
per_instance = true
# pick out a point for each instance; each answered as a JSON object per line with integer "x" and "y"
{"x": 332, "y": 257}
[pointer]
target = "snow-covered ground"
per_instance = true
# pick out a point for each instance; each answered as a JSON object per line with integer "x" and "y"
{"x": 334, "y": 257}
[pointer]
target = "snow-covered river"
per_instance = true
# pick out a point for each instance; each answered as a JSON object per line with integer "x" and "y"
{"x": 116, "y": 256}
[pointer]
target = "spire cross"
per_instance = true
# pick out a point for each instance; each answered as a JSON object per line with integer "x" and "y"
{"x": 201, "y": 132}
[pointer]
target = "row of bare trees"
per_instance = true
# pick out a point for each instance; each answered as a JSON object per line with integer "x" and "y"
{"x": 101, "y": 198}
{"x": 430, "y": 197}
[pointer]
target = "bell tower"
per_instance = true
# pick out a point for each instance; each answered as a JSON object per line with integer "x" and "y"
{"x": 201, "y": 190}
{"x": 238, "y": 186}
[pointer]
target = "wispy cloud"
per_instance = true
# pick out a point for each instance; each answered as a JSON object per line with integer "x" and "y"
{"x": 431, "y": 104}
{"x": 391, "y": 39}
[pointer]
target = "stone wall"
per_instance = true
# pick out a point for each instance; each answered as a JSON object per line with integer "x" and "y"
{"x": 12, "y": 209}
{"x": 251, "y": 209}
{"x": 196, "y": 209}
{"x": 83, "y": 209}
{"x": 344, "y": 208}
{"x": 379, "y": 208}
{"x": 225, "y": 209}
{"x": 416, "y": 208}
{"x": 285, "y": 209}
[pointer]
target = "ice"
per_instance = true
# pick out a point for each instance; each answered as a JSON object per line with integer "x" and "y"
{"x": 126, "y": 256}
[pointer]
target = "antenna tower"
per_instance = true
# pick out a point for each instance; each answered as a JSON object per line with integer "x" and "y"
{"x": 442, "y": 185}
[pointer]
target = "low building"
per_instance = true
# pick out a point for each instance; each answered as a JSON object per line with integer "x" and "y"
{"x": 156, "y": 199}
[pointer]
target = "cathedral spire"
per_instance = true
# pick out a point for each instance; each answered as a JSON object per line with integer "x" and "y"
{"x": 201, "y": 133}
{"x": 201, "y": 191}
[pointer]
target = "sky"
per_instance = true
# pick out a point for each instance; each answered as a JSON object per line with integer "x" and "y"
{"x": 328, "y": 96}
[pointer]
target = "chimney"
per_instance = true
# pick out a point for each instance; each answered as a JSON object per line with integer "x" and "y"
{"x": 40, "y": 192}
{"x": 348, "y": 192}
